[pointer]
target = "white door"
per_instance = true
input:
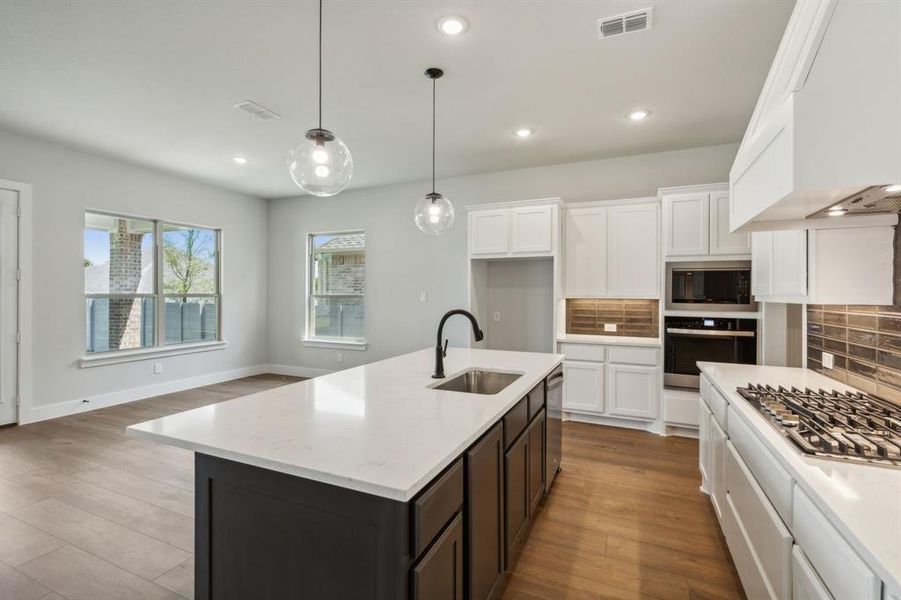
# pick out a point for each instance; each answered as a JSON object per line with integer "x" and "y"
{"x": 585, "y": 252}
{"x": 632, "y": 391}
{"x": 686, "y": 221}
{"x": 533, "y": 230}
{"x": 722, "y": 241}
{"x": 789, "y": 263}
{"x": 762, "y": 263}
{"x": 489, "y": 232}
{"x": 632, "y": 253}
{"x": 9, "y": 319}
{"x": 583, "y": 386}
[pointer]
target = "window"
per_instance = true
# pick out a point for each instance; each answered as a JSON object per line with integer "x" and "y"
{"x": 337, "y": 271}
{"x": 140, "y": 293}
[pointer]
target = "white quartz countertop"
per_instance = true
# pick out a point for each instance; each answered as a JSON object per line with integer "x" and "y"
{"x": 862, "y": 501}
{"x": 377, "y": 428}
{"x": 607, "y": 340}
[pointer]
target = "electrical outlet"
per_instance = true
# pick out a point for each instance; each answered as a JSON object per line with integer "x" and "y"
{"x": 610, "y": 327}
{"x": 497, "y": 316}
{"x": 423, "y": 296}
{"x": 340, "y": 357}
{"x": 828, "y": 360}
{"x": 157, "y": 368}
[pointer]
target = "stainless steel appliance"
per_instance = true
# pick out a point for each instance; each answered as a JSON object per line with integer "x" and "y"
{"x": 554, "y": 404}
{"x": 688, "y": 340}
{"x": 709, "y": 286}
{"x": 841, "y": 425}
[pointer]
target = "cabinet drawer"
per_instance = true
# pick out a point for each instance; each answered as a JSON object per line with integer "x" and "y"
{"x": 746, "y": 562}
{"x": 844, "y": 573}
{"x": 634, "y": 356}
{"x": 766, "y": 534}
{"x": 718, "y": 405}
{"x": 536, "y": 400}
{"x": 435, "y": 506}
{"x": 769, "y": 474}
{"x": 515, "y": 421}
{"x": 806, "y": 584}
{"x": 681, "y": 408}
{"x": 584, "y": 352}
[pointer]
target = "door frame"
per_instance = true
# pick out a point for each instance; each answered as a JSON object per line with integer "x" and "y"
{"x": 24, "y": 298}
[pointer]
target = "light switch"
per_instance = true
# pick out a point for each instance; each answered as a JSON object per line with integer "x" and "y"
{"x": 828, "y": 360}
{"x": 610, "y": 327}
{"x": 423, "y": 296}
{"x": 157, "y": 368}
{"x": 497, "y": 316}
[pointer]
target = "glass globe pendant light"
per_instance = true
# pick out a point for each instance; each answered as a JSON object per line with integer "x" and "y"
{"x": 434, "y": 214}
{"x": 321, "y": 164}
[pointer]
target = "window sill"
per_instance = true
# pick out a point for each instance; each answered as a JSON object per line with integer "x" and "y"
{"x": 124, "y": 356}
{"x": 334, "y": 344}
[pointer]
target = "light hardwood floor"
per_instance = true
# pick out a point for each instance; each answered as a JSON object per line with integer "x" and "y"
{"x": 87, "y": 513}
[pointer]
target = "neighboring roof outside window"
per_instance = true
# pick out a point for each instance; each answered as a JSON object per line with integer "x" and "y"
{"x": 344, "y": 243}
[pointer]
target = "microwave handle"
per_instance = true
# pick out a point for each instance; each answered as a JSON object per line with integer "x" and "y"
{"x": 710, "y": 332}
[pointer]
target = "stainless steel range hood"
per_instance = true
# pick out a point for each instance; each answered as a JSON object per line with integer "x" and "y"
{"x": 877, "y": 199}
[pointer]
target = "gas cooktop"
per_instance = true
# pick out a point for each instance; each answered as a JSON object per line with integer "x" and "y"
{"x": 849, "y": 426}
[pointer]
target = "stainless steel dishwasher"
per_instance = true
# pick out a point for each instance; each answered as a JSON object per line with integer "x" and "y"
{"x": 554, "y": 403}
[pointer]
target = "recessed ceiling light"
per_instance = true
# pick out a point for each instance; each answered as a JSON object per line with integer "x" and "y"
{"x": 891, "y": 189}
{"x": 523, "y": 132}
{"x": 452, "y": 25}
{"x": 239, "y": 160}
{"x": 639, "y": 114}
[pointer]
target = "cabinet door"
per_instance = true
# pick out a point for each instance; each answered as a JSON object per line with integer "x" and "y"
{"x": 704, "y": 444}
{"x": 633, "y": 256}
{"x": 489, "y": 232}
{"x": 585, "y": 252}
{"x": 762, "y": 263}
{"x": 439, "y": 574}
{"x": 633, "y": 391}
{"x": 583, "y": 386}
{"x": 716, "y": 476}
{"x": 806, "y": 584}
{"x": 533, "y": 230}
{"x": 485, "y": 514}
{"x": 536, "y": 461}
{"x": 722, "y": 241}
{"x": 516, "y": 476}
{"x": 789, "y": 263}
{"x": 686, "y": 223}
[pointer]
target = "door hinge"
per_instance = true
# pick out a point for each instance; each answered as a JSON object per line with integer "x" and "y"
{"x": 18, "y": 400}
{"x": 18, "y": 337}
{"x": 18, "y": 209}
{"x": 18, "y": 274}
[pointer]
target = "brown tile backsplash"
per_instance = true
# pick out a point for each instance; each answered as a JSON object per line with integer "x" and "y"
{"x": 639, "y": 318}
{"x": 865, "y": 342}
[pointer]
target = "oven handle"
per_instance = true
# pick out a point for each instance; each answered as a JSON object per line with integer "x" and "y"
{"x": 710, "y": 332}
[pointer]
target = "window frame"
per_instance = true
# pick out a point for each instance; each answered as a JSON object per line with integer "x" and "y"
{"x": 309, "y": 337}
{"x": 159, "y": 346}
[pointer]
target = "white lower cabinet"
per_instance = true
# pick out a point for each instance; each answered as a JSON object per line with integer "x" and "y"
{"x": 806, "y": 584}
{"x": 633, "y": 391}
{"x": 717, "y": 479}
{"x": 583, "y": 386}
{"x": 704, "y": 444}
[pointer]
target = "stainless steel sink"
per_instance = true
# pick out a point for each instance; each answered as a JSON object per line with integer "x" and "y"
{"x": 475, "y": 381}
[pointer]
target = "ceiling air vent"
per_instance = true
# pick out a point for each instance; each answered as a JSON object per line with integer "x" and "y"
{"x": 257, "y": 110}
{"x": 638, "y": 20}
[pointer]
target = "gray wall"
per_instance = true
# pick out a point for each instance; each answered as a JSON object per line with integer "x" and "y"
{"x": 66, "y": 182}
{"x": 401, "y": 262}
{"x": 522, "y": 291}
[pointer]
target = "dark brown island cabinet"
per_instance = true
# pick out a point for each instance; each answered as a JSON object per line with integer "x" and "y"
{"x": 265, "y": 534}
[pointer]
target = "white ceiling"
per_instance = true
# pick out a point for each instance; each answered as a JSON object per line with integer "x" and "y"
{"x": 153, "y": 81}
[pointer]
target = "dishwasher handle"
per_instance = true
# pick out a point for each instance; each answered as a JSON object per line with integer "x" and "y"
{"x": 555, "y": 380}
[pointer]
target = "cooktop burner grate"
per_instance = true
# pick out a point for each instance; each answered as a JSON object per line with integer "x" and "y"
{"x": 842, "y": 425}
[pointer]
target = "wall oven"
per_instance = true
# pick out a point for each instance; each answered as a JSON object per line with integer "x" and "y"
{"x": 688, "y": 340}
{"x": 709, "y": 286}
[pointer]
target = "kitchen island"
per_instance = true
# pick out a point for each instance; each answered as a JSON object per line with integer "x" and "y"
{"x": 368, "y": 482}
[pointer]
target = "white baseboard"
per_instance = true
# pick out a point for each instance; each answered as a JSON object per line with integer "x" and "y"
{"x": 297, "y": 371}
{"x": 71, "y": 407}
{"x": 649, "y": 426}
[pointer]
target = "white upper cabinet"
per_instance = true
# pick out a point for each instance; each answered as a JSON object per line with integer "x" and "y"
{"x": 761, "y": 264}
{"x": 686, "y": 218}
{"x": 532, "y": 230}
{"x": 489, "y": 232}
{"x": 827, "y": 120}
{"x": 722, "y": 241}
{"x": 789, "y": 267}
{"x": 611, "y": 250}
{"x": 696, "y": 224}
{"x": 633, "y": 253}
{"x": 515, "y": 229}
{"x": 585, "y": 252}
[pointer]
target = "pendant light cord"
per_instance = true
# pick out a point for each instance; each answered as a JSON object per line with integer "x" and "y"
{"x": 320, "y": 64}
{"x": 433, "y": 136}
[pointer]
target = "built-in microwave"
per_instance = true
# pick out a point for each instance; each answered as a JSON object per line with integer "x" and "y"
{"x": 709, "y": 286}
